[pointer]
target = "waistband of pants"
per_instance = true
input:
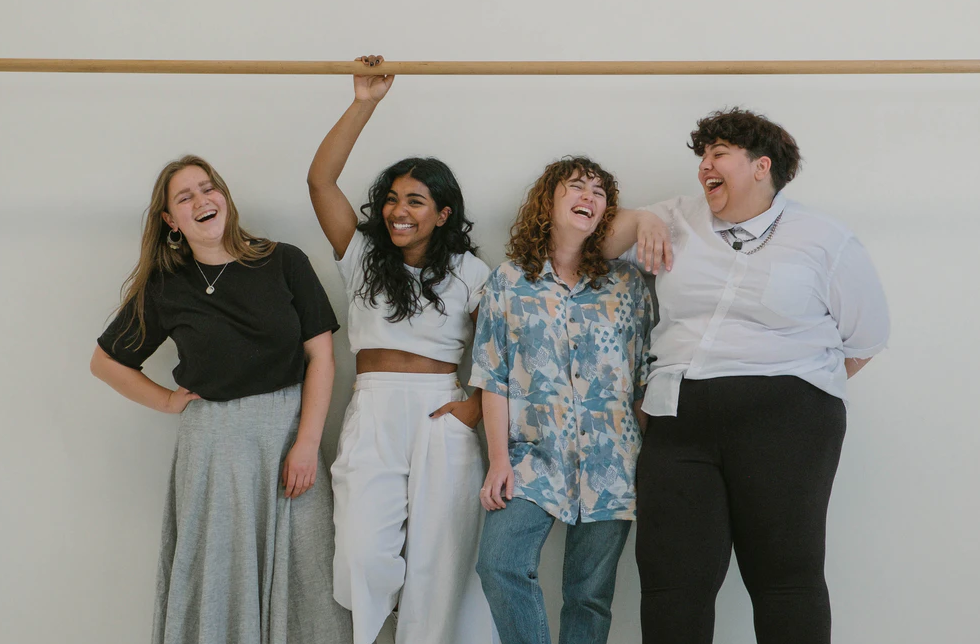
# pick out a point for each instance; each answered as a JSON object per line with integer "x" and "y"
{"x": 402, "y": 380}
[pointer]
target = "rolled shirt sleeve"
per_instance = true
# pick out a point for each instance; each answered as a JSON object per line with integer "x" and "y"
{"x": 856, "y": 300}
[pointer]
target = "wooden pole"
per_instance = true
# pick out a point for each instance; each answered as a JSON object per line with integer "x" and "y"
{"x": 504, "y": 68}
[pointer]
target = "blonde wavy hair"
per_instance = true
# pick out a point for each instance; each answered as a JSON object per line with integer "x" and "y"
{"x": 530, "y": 236}
{"x": 156, "y": 256}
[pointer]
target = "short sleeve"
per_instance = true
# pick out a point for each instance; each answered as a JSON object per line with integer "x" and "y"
{"x": 316, "y": 316}
{"x": 491, "y": 364}
{"x": 351, "y": 265}
{"x": 475, "y": 273}
{"x": 856, "y": 300}
{"x": 122, "y": 340}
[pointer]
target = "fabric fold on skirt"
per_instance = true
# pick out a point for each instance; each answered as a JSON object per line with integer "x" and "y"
{"x": 240, "y": 563}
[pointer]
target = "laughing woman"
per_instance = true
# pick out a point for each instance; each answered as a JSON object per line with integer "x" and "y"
{"x": 408, "y": 464}
{"x": 247, "y": 535}
{"x": 769, "y": 309}
{"x": 559, "y": 353}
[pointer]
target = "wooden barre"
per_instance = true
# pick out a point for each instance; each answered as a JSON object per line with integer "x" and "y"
{"x": 503, "y": 68}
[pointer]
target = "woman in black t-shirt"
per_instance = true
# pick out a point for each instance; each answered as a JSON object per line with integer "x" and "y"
{"x": 247, "y": 544}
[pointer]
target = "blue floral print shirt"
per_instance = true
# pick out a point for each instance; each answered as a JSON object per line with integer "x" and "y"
{"x": 571, "y": 362}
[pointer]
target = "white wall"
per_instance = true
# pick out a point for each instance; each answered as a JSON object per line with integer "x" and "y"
{"x": 83, "y": 470}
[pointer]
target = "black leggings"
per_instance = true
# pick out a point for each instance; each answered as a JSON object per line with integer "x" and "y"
{"x": 748, "y": 461}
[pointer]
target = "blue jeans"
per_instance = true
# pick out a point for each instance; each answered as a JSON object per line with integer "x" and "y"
{"x": 510, "y": 552}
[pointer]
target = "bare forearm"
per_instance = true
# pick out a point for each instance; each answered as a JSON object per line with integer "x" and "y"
{"x": 853, "y": 365}
{"x": 131, "y": 383}
{"x": 334, "y": 150}
{"x": 317, "y": 390}
{"x": 622, "y": 236}
{"x": 496, "y": 423}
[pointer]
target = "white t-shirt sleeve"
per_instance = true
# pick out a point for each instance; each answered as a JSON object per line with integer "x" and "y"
{"x": 857, "y": 302}
{"x": 475, "y": 273}
{"x": 351, "y": 264}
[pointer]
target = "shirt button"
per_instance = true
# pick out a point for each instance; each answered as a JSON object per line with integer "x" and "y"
{"x": 571, "y": 319}
{"x": 575, "y": 346}
{"x": 577, "y": 375}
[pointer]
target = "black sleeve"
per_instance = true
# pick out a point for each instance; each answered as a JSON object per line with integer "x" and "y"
{"x": 316, "y": 316}
{"x": 122, "y": 339}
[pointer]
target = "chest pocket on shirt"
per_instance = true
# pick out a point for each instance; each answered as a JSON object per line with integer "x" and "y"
{"x": 790, "y": 289}
{"x": 610, "y": 359}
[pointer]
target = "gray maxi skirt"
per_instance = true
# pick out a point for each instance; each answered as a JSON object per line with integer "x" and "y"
{"x": 240, "y": 563}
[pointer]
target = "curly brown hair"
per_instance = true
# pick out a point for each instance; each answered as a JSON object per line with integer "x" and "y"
{"x": 756, "y": 134}
{"x": 530, "y": 236}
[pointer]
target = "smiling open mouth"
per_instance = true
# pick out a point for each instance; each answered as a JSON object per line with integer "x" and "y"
{"x": 208, "y": 216}
{"x": 585, "y": 212}
{"x": 712, "y": 183}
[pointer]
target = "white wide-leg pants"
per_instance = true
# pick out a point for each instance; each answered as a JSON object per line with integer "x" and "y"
{"x": 407, "y": 513}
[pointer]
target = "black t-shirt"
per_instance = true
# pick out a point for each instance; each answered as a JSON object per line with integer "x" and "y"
{"x": 246, "y": 338}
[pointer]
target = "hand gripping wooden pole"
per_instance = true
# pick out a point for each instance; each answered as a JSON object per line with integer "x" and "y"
{"x": 500, "y": 68}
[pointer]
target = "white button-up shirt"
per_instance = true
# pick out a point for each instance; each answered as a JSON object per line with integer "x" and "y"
{"x": 799, "y": 306}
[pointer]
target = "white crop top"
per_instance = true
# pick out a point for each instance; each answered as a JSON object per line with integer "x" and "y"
{"x": 430, "y": 334}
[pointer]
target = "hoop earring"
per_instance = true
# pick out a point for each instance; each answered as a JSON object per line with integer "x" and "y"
{"x": 175, "y": 243}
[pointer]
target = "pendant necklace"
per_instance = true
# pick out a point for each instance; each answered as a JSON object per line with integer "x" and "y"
{"x": 210, "y": 289}
{"x": 737, "y": 244}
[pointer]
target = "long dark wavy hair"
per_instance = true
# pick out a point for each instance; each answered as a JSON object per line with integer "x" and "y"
{"x": 385, "y": 274}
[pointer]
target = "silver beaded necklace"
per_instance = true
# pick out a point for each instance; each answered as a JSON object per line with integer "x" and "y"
{"x": 737, "y": 246}
{"x": 210, "y": 289}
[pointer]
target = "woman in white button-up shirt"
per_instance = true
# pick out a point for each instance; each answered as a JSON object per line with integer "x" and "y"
{"x": 768, "y": 309}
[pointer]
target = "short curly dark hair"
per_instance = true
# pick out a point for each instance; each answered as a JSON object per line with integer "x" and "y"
{"x": 756, "y": 134}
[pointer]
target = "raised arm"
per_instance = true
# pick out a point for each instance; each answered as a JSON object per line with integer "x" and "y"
{"x": 334, "y": 212}
{"x": 648, "y": 232}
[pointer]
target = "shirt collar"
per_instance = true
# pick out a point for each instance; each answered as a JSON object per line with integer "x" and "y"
{"x": 758, "y": 224}
{"x": 548, "y": 270}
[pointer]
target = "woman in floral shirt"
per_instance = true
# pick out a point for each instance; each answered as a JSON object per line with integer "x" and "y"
{"x": 559, "y": 353}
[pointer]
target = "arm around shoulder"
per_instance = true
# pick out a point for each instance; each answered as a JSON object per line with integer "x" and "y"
{"x": 647, "y": 230}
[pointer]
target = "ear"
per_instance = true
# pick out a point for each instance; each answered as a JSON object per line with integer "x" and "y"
{"x": 762, "y": 167}
{"x": 167, "y": 219}
{"x": 444, "y": 215}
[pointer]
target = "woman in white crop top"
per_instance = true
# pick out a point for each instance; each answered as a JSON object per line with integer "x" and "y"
{"x": 408, "y": 468}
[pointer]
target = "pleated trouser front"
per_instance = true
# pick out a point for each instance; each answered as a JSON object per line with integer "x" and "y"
{"x": 408, "y": 515}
